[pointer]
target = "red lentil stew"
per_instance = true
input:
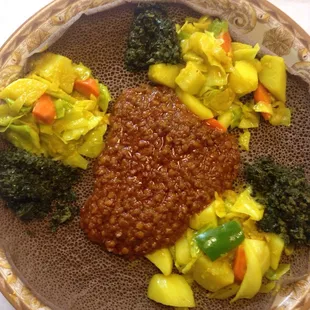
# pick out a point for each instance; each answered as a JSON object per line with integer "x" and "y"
{"x": 161, "y": 164}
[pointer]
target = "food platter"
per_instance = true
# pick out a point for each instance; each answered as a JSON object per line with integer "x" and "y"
{"x": 251, "y": 22}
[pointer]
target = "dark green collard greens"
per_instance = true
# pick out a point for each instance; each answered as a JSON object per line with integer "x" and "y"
{"x": 32, "y": 186}
{"x": 152, "y": 39}
{"x": 286, "y": 194}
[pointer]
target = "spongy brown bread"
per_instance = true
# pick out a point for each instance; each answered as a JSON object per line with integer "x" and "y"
{"x": 70, "y": 272}
{"x": 161, "y": 164}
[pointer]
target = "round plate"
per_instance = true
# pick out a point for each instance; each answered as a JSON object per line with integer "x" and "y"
{"x": 66, "y": 271}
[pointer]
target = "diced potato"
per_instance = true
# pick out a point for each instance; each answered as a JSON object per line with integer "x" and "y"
{"x": 162, "y": 259}
{"x": 243, "y": 79}
{"x": 204, "y": 218}
{"x": 194, "y": 105}
{"x": 190, "y": 79}
{"x": 186, "y": 252}
{"x": 182, "y": 251}
{"x": 257, "y": 64}
{"x": 276, "y": 246}
{"x": 213, "y": 275}
{"x": 164, "y": 74}
{"x": 172, "y": 290}
{"x": 273, "y": 76}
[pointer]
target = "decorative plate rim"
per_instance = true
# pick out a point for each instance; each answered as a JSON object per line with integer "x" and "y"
{"x": 17, "y": 301}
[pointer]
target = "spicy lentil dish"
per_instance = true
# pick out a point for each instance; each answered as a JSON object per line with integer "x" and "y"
{"x": 162, "y": 158}
{"x": 161, "y": 164}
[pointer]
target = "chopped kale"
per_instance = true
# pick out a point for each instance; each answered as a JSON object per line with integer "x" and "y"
{"x": 152, "y": 39}
{"x": 33, "y": 186}
{"x": 286, "y": 194}
{"x": 62, "y": 214}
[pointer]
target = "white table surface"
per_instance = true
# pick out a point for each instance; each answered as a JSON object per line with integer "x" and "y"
{"x": 14, "y": 12}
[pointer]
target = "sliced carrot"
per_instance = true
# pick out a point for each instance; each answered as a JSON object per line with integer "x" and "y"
{"x": 226, "y": 45}
{"x": 212, "y": 122}
{"x": 262, "y": 94}
{"x": 44, "y": 110}
{"x": 240, "y": 264}
{"x": 87, "y": 87}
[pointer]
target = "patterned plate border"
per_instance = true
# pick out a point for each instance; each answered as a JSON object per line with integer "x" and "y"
{"x": 254, "y": 21}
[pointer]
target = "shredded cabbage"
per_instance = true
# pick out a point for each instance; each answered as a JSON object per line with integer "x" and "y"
{"x": 7, "y": 117}
{"x": 246, "y": 204}
{"x": 218, "y": 101}
{"x": 267, "y": 288}
{"x": 277, "y": 274}
{"x": 281, "y": 114}
{"x": 250, "y": 118}
{"x": 262, "y": 107}
{"x": 80, "y": 122}
{"x": 244, "y": 140}
{"x": 244, "y": 51}
{"x": 225, "y": 292}
{"x": 25, "y": 137}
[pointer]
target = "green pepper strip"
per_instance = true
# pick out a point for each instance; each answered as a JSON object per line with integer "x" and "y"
{"x": 220, "y": 240}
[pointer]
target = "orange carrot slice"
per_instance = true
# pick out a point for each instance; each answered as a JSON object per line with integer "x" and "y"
{"x": 44, "y": 110}
{"x": 262, "y": 94}
{"x": 87, "y": 87}
{"x": 212, "y": 122}
{"x": 240, "y": 264}
{"x": 226, "y": 45}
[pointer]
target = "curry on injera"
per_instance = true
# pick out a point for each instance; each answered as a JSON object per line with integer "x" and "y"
{"x": 161, "y": 164}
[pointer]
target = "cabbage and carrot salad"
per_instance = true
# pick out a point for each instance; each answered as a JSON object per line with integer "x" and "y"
{"x": 57, "y": 110}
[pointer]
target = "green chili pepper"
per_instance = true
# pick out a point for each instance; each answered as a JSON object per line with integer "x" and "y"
{"x": 220, "y": 240}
